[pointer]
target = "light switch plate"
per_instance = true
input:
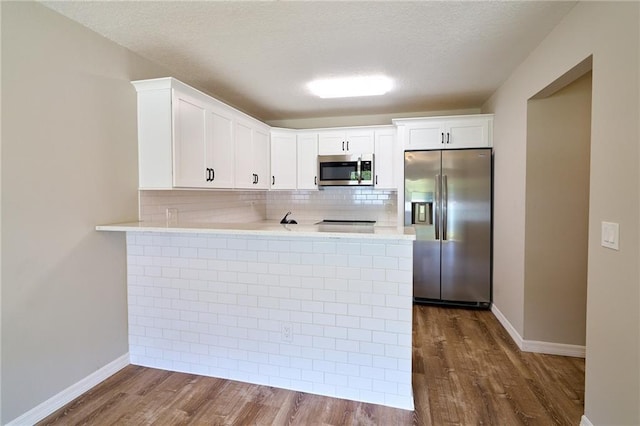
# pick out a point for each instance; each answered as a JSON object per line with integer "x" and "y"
{"x": 610, "y": 236}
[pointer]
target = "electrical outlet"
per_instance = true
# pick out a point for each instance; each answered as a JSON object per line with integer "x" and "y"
{"x": 287, "y": 332}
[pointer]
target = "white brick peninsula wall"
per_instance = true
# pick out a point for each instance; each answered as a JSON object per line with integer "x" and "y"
{"x": 328, "y": 313}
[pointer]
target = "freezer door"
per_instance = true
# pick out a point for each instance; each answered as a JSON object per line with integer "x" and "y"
{"x": 422, "y": 210}
{"x": 466, "y": 236}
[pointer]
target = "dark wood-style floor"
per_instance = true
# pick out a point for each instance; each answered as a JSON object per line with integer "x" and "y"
{"x": 466, "y": 371}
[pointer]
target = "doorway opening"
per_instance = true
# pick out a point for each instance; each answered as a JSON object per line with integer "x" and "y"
{"x": 557, "y": 211}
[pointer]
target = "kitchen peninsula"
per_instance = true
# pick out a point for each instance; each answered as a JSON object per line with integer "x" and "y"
{"x": 324, "y": 309}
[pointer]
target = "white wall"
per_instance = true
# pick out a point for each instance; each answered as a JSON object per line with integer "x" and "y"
{"x": 557, "y": 215}
{"x": 69, "y": 162}
{"x": 361, "y": 120}
{"x": 609, "y": 32}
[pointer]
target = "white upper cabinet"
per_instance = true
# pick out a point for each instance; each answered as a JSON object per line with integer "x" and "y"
{"x": 203, "y": 144}
{"x": 307, "y": 144}
{"x": 469, "y": 132}
{"x": 220, "y": 152}
{"x": 185, "y": 138}
{"x": 283, "y": 159}
{"x": 384, "y": 158}
{"x": 252, "y": 154}
{"x": 464, "y": 131}
{"x": 261, "y": 155}
{"x": 345, "y": 141}
{"x": 155, "y": 134}
{"x": 190, "y": 141}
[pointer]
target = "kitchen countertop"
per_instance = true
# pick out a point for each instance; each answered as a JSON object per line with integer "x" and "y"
{"x": 269, "y": 228}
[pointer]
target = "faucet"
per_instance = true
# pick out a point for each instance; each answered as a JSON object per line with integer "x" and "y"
{"x": 285, "y": 220}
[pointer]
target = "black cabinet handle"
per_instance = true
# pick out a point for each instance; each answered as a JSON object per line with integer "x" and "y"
{"x": 315, "y": 180}
{"x": 257, "y": 178}
{"x": 347, "y": 145}
{"x": 448, "y": 136}
{"x": 273, "y": 180}
{"x": 211, "y": 175}
{"x": 376, "y": 179}
{"x": 442, "y": 137}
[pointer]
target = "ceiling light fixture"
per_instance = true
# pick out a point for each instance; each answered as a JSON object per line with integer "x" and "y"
{"x": 349, "y": 87}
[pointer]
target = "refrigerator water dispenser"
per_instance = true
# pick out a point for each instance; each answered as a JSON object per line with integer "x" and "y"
{"x": 422, "y": 213}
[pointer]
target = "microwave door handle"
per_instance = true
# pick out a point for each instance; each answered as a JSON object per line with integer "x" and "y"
{"x": 359, "y": 170}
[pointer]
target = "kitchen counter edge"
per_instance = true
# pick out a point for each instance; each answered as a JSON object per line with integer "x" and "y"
{"x": 269, "y": 229}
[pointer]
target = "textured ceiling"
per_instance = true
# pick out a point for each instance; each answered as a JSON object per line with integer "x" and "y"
{"x": 258, "y": 56}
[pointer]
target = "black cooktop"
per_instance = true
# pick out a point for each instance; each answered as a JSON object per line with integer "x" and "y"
{"x": 346, "y": 222}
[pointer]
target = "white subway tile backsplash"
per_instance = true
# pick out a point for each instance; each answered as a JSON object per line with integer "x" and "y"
{"x": 253, "y": 206}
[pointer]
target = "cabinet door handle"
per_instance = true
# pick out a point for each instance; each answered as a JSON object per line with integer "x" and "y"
{"x": 273, "y": 180}
{"x": 343, "y": 145}
{"x": 448, "y": 136}
{"x": 315, "y": 180}
{"x": 347, "y": 145}
{"x": 213, "y": 175}
{"x": 257, "y": 178}
{"x": 210, "y": 175}
{"x": 442, "y": 137}
{"x": 376, "y": 179}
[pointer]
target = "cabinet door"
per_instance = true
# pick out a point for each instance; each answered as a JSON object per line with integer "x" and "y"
{"x": 383, "y": 156}
{"x": 308, "y": 161}
{"x": 425, "y": 135}
{"x": 261, "y": 157}
{"x": 219, "y": 150}
{"x": 359, "y": 141}
{"x": 283, "y": 160}
{"x": 189, "y": 143}
{"x": 244, "y": 173}
{"x": 331, "y": 143}
{"x": 345, "y": 142}
{"x": 468, "y": 133}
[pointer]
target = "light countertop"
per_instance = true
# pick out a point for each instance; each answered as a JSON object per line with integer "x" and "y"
{"x": 269, "y": 228}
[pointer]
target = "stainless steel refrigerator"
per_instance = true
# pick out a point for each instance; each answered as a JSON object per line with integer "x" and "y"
{"x": 448, "y": 199}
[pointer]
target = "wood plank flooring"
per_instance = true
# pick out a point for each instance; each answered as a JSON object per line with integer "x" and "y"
{"x": 466, "y": 371}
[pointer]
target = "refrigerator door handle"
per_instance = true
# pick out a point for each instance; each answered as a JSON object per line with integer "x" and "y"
{"x": 437, "y": 209}
{"x": 445, "y": 204}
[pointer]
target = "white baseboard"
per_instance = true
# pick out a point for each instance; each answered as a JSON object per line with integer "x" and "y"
{"x": 537, "y": 346}
{"x": 507, "y": 326}
{"x": 554, "y": 348}
{"x": 69, "y": 394}
{"x": 584, "y": 421}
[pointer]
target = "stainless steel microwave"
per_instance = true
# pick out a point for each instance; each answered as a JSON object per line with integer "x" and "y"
{"x": 345, "y": 170}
